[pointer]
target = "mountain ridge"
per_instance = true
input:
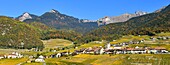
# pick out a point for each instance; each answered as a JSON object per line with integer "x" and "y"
{"x": 122, "y": 18}
{"x": 61, "y": 21}
{"x": 148, "y": 24}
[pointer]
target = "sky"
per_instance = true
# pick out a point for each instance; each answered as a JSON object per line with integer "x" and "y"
{"x": 83, "y": 9}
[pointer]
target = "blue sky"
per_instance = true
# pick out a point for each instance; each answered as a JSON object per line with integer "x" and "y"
{"x": 84, "y": 9}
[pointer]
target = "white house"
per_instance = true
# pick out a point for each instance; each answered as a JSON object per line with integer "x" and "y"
{"x": 108, "y": 46}
{"x": 117, "y": 47}
{"x": 40, "y": 59}
{"x": 15, "y": 55}
{"x": 58, "y": 55}
{"x": 97, "y": 42}
{"x": 12, "y": 56}
{"x": 151, "y": 50}
{"x": 2, "y": 56}
{"x": 102, "y": 51}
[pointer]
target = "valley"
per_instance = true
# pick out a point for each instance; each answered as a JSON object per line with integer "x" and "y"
{"x": 55, "y": 38}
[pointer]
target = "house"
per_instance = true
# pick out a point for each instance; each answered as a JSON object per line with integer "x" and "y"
{"x": 97, "y": 42}
{"x": 12, "y": 56}
{"x": 130, "y": 50}
{"x": 117, "y": 47}
{"x": 108, "y": 46}
{"x": 102, "y": 51}
{"x": 88, "y": 50}
{"x": 161, "y": 50}
{"x": 93, "y": 50}
{"x": 15, "y": 55}
{"x": 64, "y": 53}
{"x": 2, "y": 56}
{"x": 151, "y": 50}
{"x": 40, "y": 59}
{"x": 97, "y": 50}
{"x": 58, "y": 55}
{"x": 109, "y": 51}
{"x": 139, "y": 51}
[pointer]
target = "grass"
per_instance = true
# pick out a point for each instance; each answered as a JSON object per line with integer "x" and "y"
{"x": 129, "y": 38}
{"x": 54, "y": 43}
{"x": 125, "y": 59}
{"x": 163, "y": 34}
{"x": 32, "y": 64}
{"x": 147, "y": 59}
{"x": 92, "y": 44}
{"x": 85, "y": 59}
{"x": 12, "y": 61}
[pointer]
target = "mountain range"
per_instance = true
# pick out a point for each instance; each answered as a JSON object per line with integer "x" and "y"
{"x": 59, "y": 21}
{"x": 148, "y": 24}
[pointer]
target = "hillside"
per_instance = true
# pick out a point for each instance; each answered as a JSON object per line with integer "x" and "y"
{"x": 47, "y": 33}
{"x": 16, "y": 34}
{"x": 148, "y": 24}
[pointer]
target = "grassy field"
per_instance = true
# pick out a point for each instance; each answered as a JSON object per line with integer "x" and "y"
{"x": 92, "y": 44}
{"x": 163, "y": 34}
{"x": 129, "y": 38}
{"x": 54, "y": 43}
{"x": 133, "y": 59}
{"x": 12, "y": 61}
{"x": 147, "y": 59}
{"x": 32, "y": 64}
{"x": 85, "y": 59}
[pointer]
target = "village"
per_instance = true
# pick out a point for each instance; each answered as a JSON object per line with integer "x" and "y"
{"x": 107, "y": 49}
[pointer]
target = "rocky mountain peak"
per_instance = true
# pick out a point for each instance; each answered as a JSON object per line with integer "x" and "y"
{"x": 121, "y": 18}
{"x": 54, "y": 11}
{"x": 25, "y": 16}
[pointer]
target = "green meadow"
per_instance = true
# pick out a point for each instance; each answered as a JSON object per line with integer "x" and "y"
{"x": 55, "y": 43}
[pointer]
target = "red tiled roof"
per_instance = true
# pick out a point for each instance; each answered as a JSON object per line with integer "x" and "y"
{"x": 160, "y": 48}
{"x": 130, "y": 49}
